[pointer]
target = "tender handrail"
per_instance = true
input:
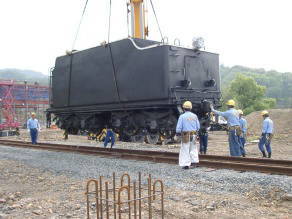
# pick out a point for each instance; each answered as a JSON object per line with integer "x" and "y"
{"x": 143, "y": 48}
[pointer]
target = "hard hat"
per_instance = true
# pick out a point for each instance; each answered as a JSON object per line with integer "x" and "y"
{"x": 187, "y": 105}
{"x": 230, "y": 103}
{"x": 265, "y": 112}
{"x": 33, "y": 114}
{"x": 240, "y": 112}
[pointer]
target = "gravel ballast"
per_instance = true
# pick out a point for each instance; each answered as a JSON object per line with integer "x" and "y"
{"x": 202, "y": 179}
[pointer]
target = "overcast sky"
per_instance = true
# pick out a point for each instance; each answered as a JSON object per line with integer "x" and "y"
{"x": 253, "y": 33}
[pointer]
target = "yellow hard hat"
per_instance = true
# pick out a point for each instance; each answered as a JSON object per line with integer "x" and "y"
{"x": 240, "y": 112}
{"x": 265, "y": 112}
{"x": 187, "y": 105}
{"x": 230, "y": 103}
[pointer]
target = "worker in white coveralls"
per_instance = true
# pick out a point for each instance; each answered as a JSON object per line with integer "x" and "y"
{"x": 187, "y": 126}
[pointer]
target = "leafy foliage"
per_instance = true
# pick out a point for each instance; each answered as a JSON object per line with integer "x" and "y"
{"x": 278, "y": 85}
{"x": 246, "y": 91}
{"x": 248, "y": 94}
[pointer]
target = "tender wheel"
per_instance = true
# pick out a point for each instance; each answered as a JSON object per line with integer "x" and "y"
{"x": 167, "y": 135}
{"x": 138, "y": 138}
{"x": 152, "y": 138}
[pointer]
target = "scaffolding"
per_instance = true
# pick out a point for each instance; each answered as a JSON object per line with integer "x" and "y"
{"x": 18, "y": 99}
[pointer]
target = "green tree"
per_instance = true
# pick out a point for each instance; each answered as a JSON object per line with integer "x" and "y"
{"x": 248, "y": 94}
{"x": 278, "y": 85}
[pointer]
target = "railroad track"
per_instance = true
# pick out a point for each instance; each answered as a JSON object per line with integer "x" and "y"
{"x": 271, "y": 166}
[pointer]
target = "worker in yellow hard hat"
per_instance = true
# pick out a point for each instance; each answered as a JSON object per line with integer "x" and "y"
{"x": 33, "y": 127}
{"x": 267, "y": 134}
{"x": 234, "y": 131}
{"x": 243, "y": 127}
{"x": 264, "y": 113}
{"x": 230, "y": 103}
{"x": 187, "y": 105}
{"x": 188, "y": 126}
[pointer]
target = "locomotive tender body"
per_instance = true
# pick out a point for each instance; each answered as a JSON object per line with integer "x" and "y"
{"x": 134, "y": 86}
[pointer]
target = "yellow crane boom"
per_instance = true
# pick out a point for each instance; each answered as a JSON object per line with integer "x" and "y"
{"x": 139, "y": 29}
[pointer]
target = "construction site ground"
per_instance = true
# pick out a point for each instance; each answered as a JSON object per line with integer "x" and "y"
{"x": 27, "y": 192}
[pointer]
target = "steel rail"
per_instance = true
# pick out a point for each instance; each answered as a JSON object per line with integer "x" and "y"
{"x": 283, "y": 167}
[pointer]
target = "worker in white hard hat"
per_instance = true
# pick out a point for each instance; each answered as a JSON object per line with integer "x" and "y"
{"x": 187, "y": 126}
{"x": 33, "y": 127}
{"x": 234, "y": 131}
{"x": 243, "y": 127}
{"x": 267, "y": 134}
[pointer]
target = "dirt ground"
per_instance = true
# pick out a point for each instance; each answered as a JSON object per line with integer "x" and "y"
{"x": 27, "y": 192}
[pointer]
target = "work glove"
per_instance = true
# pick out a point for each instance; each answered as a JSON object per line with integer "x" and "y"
{"x": 28, "y": 130}
{"x": 211, "y": 107}
{"x": 269, "y": 137}
{"x": 177, "y": 137}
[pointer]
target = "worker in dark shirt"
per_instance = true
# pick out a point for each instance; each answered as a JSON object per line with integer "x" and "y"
{"x": 203, "y": 137}
{"x": 203, "y": 134}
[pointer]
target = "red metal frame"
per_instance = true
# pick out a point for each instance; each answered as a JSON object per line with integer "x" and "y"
{"x": 26, "y": 100}
{"x": 7, "y": 103}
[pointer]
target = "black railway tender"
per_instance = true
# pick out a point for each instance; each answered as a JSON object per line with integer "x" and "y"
{"x": 134, "y": 86}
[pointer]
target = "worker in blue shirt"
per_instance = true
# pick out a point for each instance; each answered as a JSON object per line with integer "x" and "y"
{"x": 231, "y": 115}
{"x": 267, "y": 134}
{"x": 33, "y": 127}
{"x": 243, "y": 127}
{"x": 110, "y": 137}
{"x": 187, "y": 126}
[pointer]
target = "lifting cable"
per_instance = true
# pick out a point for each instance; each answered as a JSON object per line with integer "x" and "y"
{"x": 111, "y": 55}
{"x": 156, "y": 20}
{"x": 78, "y": 28}
{"x": 71, "y": 56}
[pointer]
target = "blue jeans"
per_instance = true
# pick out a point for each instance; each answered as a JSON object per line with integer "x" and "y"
{"x": 242, "y": 141}
{"x": 234, "y": 144}
{"x": 33, "y": 135}
{"x": 264, "y": 142}
{"x": 110, "y": 136}
{"x": 203, "y": 143}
